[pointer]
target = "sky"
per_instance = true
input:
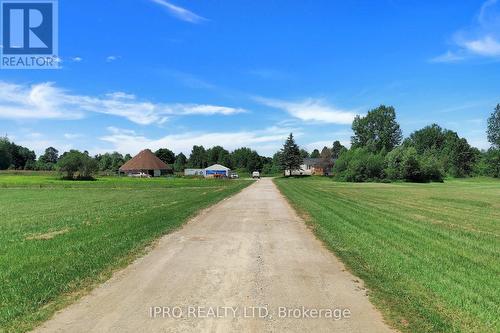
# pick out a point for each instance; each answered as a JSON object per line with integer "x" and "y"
{"x": 141, "y": 74}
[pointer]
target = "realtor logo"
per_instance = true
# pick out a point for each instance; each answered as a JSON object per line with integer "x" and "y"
{"x": 28, "y": 34}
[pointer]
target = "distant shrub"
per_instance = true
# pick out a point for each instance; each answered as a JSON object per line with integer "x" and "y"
{"x": 404, "y": 163}
{"x": 359, "y": 165}
{"x": 489, "y": 163}
{"x": 431, "y": 169}
{"x": 394, "y": 162}
{"x": 77, "y": 165}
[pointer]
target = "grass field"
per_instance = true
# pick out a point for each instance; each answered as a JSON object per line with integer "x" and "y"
{"x": 429, "y": 253}
{"x": 59, "y": 238}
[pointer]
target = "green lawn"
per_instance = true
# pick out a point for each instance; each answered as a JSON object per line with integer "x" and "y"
{"x": 59, "y": 238}
{"x": 429, "y": 253}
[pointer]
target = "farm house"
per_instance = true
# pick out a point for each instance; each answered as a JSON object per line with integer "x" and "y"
{"x": 145, "y": 163}
{"x": 313, "y": 166}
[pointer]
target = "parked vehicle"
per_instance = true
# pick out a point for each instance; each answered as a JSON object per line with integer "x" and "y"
{"x": 140, "y": 175}
{"x": 234, "y": 176}
{"x": 256, "y": 175}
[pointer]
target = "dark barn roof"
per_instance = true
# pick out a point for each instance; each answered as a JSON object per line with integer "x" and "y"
{"x": 145, "y": 160}
{"x": 318, "y": 162}
{"x": 312, "y": 161}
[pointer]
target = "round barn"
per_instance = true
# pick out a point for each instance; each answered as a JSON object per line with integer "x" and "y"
{"x": 145, "y": 163}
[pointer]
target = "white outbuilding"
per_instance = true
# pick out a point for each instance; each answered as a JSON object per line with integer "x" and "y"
{"x": 216, "y": 171}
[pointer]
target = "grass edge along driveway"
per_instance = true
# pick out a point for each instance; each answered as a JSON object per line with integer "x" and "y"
{"x": 427, "y": 252}
{"x": 60, "y": 239}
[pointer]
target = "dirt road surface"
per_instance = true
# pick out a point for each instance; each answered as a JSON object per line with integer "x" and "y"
{"x": 248, "y": 264}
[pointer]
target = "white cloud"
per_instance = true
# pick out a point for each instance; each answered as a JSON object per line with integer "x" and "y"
{"x": 180, "y": 13}
{"x": 190, "y": 109}
{"x": 448, "y": 57}
{"x": 41, "y": 142}
{"x": 482, "y": 39}
{"x": 72, "y": 136}
{"x": 120, "y": 95}
{"x": 266, "y": 141}
{"x": 47, "y": 101}
{"x": 314, "y": 110}
{"x": 36, "y": 102}
{"x": 189, "y": 80}
{"x": 76, "y": 59}
{"x": 486, "y": 46}
{"x": 112, "y": 58}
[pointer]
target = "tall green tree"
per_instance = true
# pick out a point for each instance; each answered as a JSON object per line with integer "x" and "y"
{"x": 494, "y": 127}
{"x": 166, "y": 155}
{"x": 304, "y": 153}
{"x": 326, "y": 153}
{"x": 5, "y": 155}
{"x": 48, "y": 160}
{"x": 492, "y": 159}
{"x": 110, "y": 162}
{"x": 315, "y": 153}
{"x": 198, "y": 158}
{"x": 377, "y": 130}
{"x": 453, "y": 153}
{"x": 290, "y": 155}
{"x": 75, "y": 163}
{"x": 461, "y": 156}
{"x": 218, "y": 155}
{"x": 240, "y": 158}
{"x": 254, "y": 162}
{"x": 430, "y": 137}
{"x": 50, "y": 156}
{"x": 21, "y": 156}
{"x": 180, "y": 162}
{"x": 337, "y": 149}
{"x": 246, "y": 159}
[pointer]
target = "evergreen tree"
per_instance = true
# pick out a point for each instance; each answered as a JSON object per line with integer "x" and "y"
{"x": 494, "y": 127}
{"x": 326, "y": 153}
{"x": 315, "y": 154}
{"x": 198, "y": 158}
{"x": 180, "y": 162}
{"x": 290, "y": 155}
{"x": 5, "y": 155}
{"x": 336, "y": 149}
{"x": 304, "y": 153}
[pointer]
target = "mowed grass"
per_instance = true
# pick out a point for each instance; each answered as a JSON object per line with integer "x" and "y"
{"x": 429, "y": 253}
{"x": 59, "y": 238}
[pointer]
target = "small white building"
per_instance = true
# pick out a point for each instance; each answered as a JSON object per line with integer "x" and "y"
{"x": 213, "y": 171}
{"x": 217, "y": 170}
{"x": 194, "y": 172}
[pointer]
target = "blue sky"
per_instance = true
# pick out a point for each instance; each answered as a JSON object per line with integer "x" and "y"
{"x": 155, "y": 73}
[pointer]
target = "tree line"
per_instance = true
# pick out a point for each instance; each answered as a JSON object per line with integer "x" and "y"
{"x": 77, "y": 164}
{"x": 243, "y": 159}
{"x": 380, "y": 153}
